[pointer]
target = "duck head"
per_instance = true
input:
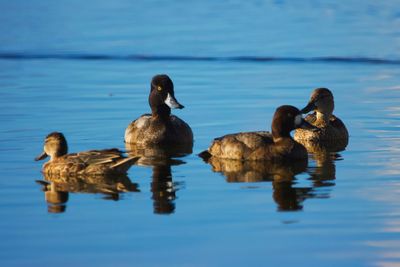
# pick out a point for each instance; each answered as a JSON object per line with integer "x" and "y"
{"x": 55, "y": 145}
{"x": 162, "y": 96}
{"x": 286, "y": 119}
{"x": 321, "y": 101}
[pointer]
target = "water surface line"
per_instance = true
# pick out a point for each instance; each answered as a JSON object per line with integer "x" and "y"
{"x": 142, "y": 57}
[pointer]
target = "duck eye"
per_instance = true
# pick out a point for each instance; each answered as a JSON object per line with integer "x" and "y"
{"x": 159, "y": 88}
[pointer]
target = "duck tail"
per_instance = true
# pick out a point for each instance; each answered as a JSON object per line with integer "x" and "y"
{"x": 123, "y": 165}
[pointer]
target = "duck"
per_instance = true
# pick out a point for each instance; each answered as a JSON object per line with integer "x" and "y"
{"x": 87, "y": 163}
{"x": 160, "y": 128}
{"x": 263, "y": 145}
{"x": 332, "y": 133}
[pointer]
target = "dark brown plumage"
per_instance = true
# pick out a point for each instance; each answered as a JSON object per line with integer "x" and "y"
{"x": 160, "y": 127}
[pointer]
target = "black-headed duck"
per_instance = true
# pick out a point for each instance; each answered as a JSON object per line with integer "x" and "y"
{"x": 278, "y": 145}
{"x": 93, "y": 162}
{"x": 160, "y": 127}
{"x": 332, "y": 132}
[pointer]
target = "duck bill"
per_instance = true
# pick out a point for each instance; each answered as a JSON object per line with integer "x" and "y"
{"x": 307, "y": 126}
{"x": 172, "y": 102}
{"x": 41, "y": 156}
{"x": 311, "y": 106}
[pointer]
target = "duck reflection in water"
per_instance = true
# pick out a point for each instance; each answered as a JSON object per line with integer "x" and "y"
{"x": 286, "y": 195}
{"x": 56, "y": 199}
{"x": 163, "y": 187}
{"x": 281, "y": 174}
{"x": 57, "y": 189}
{"x": 324, "y": 172}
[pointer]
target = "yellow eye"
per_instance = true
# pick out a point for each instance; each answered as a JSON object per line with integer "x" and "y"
{"x": 159, "y": 88}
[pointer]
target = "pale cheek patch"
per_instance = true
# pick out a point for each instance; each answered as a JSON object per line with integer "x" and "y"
{"x": 169, "y": 101}
{"x": 297, "y": 120}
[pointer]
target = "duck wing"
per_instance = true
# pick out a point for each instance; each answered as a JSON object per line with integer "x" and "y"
{"x": 106, "y": 159}
{"x": 95, "y": 157}
{"x": 240, "y": 145}
{"x": 336, "y": 122}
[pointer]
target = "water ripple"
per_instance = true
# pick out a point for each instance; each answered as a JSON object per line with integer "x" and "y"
{"x": 139, "y": 57}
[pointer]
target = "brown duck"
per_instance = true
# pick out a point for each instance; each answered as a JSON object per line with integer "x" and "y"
{"x": 93, "y": 162}
{"x": 278, "y": 145}
{"x": 332, "y": 133}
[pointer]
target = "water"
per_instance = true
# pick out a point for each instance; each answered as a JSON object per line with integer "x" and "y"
{"x": 84, "y": 69}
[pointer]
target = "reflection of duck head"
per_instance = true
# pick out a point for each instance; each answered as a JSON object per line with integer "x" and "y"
{"x": 159, "y": 157}
{"x": 163, "y": 190}
{"x": 282, "y": 175}
{"x": 162, "y": 186}
{"x": 289, "y": 198}
{"x": 325, "y": 170}
{"x": 55, "y": 198}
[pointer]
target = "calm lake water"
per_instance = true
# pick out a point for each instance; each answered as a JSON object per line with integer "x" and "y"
{"x": 84, "y": 68}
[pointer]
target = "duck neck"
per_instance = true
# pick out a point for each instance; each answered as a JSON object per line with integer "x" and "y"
{"x": 61, "y": 151}
{"x": 161, "y": 111}
{"x": 323, "y": 118}
{"x": 53, "y": 187}
{"x": 279, "y": 134}
{"x": 55, "y": 156}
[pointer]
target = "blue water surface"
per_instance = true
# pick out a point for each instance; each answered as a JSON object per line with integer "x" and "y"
{"x": 84, "y": 68}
